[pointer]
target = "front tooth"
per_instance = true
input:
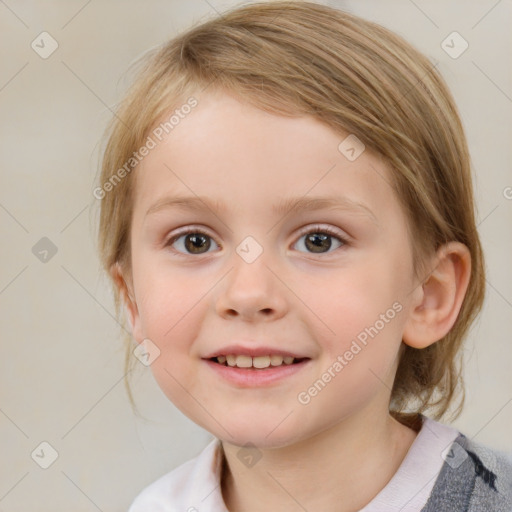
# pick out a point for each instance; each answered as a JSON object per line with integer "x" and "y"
{"x": 231, "y": 359}
{"x": 261, "y": 361}
{"x": 244, "y": 361}
{"x": 276, "y": 360}
{"x": 288, "y": 360}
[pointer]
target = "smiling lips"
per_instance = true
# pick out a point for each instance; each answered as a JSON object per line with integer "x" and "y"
{"x": 249, "y": 366}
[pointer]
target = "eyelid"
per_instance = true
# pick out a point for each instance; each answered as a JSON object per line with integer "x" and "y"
{"x": 335, "y": 232}
{"x": 188, "y": 229}
{"x": 185, "y": 230}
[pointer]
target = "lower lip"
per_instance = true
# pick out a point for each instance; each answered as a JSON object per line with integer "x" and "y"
{"x": 249, "y": 377}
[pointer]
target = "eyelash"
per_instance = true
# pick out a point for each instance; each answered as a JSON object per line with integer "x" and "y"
{"x": 313, "y": 229}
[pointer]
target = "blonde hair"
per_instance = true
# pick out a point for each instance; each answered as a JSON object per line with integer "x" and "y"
{"x": 301, "y": 58}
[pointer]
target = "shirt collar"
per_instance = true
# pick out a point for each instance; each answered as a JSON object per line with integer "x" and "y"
{"x": 201, "y": 486}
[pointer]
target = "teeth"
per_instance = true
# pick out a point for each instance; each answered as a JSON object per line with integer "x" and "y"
{"x": 261, "y": 362}
{"x": 276, "y": 360}
{"x": 242, "y": 361}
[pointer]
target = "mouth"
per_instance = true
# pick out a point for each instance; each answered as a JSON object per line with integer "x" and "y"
{"x": 258, "y": 362}
{"x": 243, "y": 371}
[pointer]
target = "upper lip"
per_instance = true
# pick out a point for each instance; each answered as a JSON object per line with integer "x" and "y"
{"x": 253, "y": 352}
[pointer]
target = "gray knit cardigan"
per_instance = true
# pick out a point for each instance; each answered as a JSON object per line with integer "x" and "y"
{"x": 473, "y": 478}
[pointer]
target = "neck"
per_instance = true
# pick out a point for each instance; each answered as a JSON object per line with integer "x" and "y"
{"x": 338, "y": 470}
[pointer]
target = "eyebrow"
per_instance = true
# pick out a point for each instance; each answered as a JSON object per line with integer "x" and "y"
{"x": 283, "y": 207}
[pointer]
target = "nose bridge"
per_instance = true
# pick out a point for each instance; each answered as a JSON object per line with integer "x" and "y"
{"x": 251, "y": 286}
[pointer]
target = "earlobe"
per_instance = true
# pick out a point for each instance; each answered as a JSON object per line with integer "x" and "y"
{"x": 438, "y": 300}
{"x": 127, "y": 298}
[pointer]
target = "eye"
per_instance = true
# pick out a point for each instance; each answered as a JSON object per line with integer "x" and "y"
{"x": 194, "y": 242}
{"x": 318, "y": 239}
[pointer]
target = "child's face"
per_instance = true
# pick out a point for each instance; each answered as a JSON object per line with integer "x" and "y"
{"x": 309, "y": 296}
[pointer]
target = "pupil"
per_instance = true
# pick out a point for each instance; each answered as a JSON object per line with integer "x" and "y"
{"x": 316, "y": 239}
{"x": 197, "y": 242}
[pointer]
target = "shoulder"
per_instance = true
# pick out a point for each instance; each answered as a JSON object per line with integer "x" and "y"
{"x": 180, "y": 489}
{"x": 473, "y": 478}
{"x": 485, "y": 457}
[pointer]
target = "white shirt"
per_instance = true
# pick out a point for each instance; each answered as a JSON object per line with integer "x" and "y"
{"x": 195, "y": 485}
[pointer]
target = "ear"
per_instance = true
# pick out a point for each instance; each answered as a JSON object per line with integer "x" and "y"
{"x": 125, "y": 287}
{"x": 438, "y": 300}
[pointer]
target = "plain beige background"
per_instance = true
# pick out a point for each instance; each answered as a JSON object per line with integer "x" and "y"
{"x": 62, "y": 359}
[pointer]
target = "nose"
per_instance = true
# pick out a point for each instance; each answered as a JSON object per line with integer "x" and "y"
{"x": 252, "y": 292}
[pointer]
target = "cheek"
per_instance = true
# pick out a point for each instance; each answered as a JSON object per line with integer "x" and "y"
{"x": 167, "y": 318}
{"x": 359, "y": 360}
{"x": 344, "y": 303}
{"x": 360, "y": 330}
{"x": 168, "y": 298}
{"x": 169, "y": 315}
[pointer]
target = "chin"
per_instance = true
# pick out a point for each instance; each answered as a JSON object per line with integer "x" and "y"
{"x": 259, "y": 433}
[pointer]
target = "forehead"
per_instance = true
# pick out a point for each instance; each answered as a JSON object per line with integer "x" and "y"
{"x": 248, "y": 159}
